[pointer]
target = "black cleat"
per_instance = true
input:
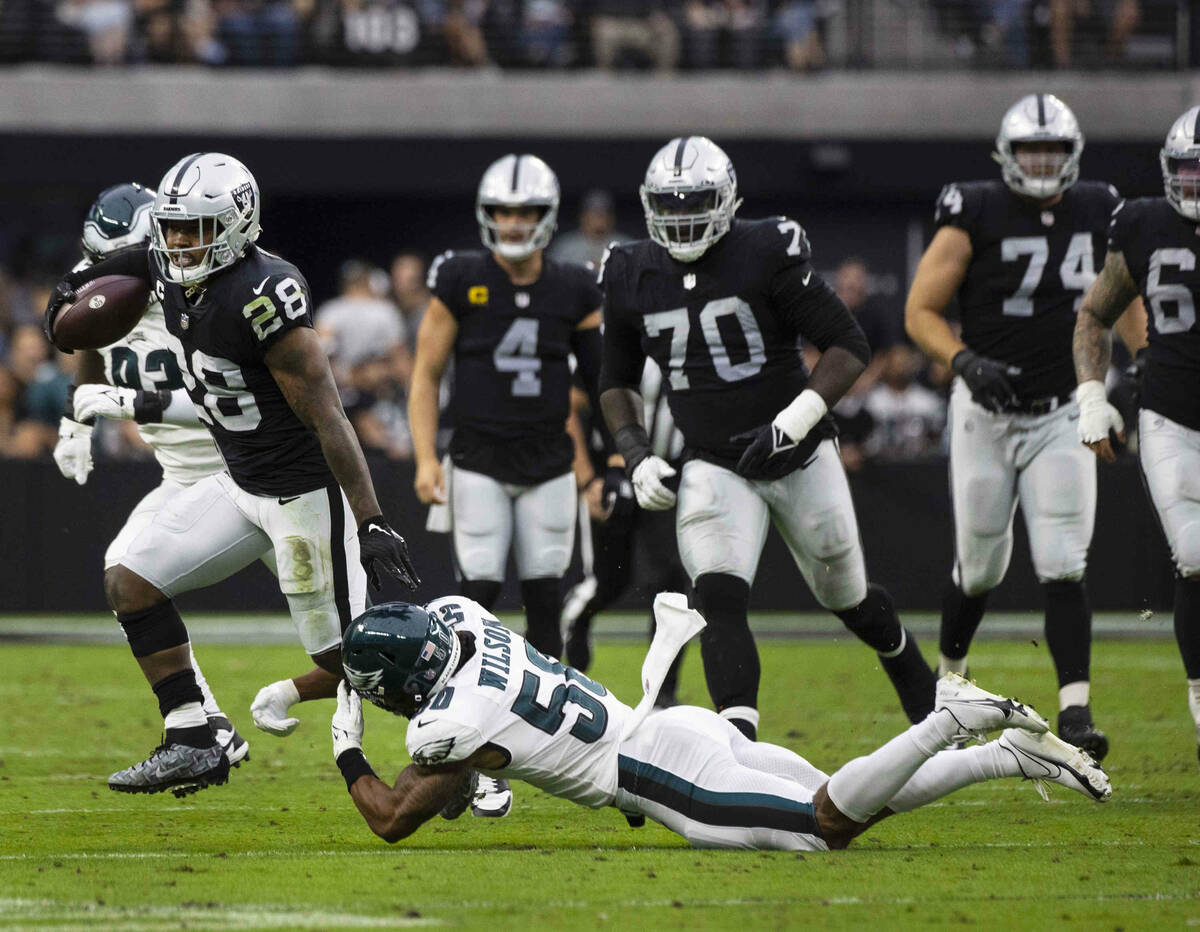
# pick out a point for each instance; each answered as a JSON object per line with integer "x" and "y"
{"x": 236, "y": 748}
{"x": 1075, "y": 727}
{"x": 180, "y": 768}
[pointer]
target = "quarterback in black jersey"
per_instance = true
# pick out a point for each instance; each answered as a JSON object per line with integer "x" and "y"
{"x": 296, "y": 482}
{"x": 1152, "y": 251}
{"x": 1019, "y": 253}
{"x": 510, "y": 319}
{"x": 720, "y": 304}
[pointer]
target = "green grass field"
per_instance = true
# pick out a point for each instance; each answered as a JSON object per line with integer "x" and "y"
{"x": 281, "y": 846}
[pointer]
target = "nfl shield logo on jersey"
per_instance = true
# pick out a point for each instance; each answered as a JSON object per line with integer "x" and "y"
{"x": 521, "y": 298}
{"x": 689, "y": 281}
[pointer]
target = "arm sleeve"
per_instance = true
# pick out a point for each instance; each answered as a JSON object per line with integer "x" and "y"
{"x": 623, "y": 356}
{"x": 134, "y": 262}
{"x": 813, "y": 311}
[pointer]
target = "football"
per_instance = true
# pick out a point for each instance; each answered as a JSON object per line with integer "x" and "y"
{"x": 105, "y": 310}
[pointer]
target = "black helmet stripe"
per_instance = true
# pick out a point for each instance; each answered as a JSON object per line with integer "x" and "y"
{"x": 516, "y": 174}
{"x": 1041, "y": 99}
{"x": 679, "y": 151}
{"x": 178, "y": 179}
{"x": 1196, "y": 130}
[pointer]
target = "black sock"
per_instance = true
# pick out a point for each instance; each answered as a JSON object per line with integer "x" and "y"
{"x": 731, "y": 665}
{"x": 961, "y": 615}
{"x": 483, "y": 591}
{"x": 873, "y": 620}
{"x": 1187, "y": 624}
{"x": 913, "y": 678}
{"x": 178, "y": 689}
{"x": 543, "y": 601}
{"x": 1068, "y": 630}
{"x": 745, "y": 727}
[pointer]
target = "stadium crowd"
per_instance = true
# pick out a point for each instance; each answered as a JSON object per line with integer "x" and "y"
{"x": 609, "y": 34}
{"x": 896, "y": 411}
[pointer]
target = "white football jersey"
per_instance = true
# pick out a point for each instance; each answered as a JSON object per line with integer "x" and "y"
{"x": 560, "y": 729}
{"x": 143, "y": 360}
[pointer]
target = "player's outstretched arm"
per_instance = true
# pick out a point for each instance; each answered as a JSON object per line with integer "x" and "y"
{"x": 419, "y": 793}
{"x": 300, "y": 368}
{"x": 435, "y": 343}
{"x": 939, "y": 276}
{"x": 1105, "y": 302}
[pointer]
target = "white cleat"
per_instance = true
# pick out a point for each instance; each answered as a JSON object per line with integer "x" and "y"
{"x": 493, "y": 798}
{"x": 978, "y": 711}
{"x": 1046, "y": 758}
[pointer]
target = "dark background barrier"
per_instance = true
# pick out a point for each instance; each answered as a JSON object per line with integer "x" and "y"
{"x": 54, "y": 533}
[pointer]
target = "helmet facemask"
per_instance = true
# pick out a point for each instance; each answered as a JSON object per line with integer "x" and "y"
{"x": 1032, "y": 168}
{"x": 687, "y": 222}
{"x": 1181, "y": 183}
{"x": 537, "y": 233}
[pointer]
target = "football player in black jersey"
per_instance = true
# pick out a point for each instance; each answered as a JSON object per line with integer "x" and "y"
{"x": 295, "y": 482}
{"x": 510, "y": 318}
{"x": 721, "y": 305}
{"x": 1019, "y": 253}
{"x": 1152, "y": 250}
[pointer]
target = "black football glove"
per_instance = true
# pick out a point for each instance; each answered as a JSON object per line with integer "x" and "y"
{"x": 62, "y": 296}
{"x": 618, "y": 494}
{"x": 772, "y": 454}
{"x": 987, "y": 379}
{"x": 380, "y": 546}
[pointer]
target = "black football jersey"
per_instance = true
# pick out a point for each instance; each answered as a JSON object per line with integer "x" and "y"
{"x": 1161, "y": 248}
{"x": 724, "y": 329}
{"x": 220, "y": 342}
{"x": 1028, "y": 272}
{"x": 512, "y": 375}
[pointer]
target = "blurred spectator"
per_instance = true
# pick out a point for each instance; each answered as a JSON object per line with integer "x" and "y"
{"x": 375, "y": 405}
{"x": 462, "y": 30}
{"x": 258, "y": 32}
{"x": 410, "y": 292}
{"x": 724, "y": 32}
{"x": 641, "y": 30}
{"x": 106, "y": 24}
{"x": 883, "y": 325}
{"x": 33, "y": 394}
{"x": 545, "y": 37}
{"x": 370, "y": 32}
{"x": 1006, "y": 32}
{"x": 1115, "y": 20}
{"x": 176, "y": 31}
{"x": 794, "y": 27}
{"x": 908, "y": 418}
{"x": 361, "y": 323}
{"x": 597, "y": 228}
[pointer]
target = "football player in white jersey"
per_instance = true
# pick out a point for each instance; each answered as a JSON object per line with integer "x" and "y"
{"x": 479, "y": 696}
{"x": 137, "y": 378}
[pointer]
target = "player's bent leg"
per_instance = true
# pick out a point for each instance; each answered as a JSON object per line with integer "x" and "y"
{"x": 731, "y": 665}
{"x": 961, "y": 615}
{"x": 544, "y": 518}
{"x": 780, "y": 761}
{"x": 483, "y": 526}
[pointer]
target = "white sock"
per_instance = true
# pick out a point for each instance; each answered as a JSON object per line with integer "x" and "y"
{"x": 188, "y": 715}
{"x": 951, "y": 665}
{"x": 865, "y": 785}
{"x": 951, "y": 770}
{"x": 210, "y": 701}
{"x": 745, "y": 712}
{"x": 1074, "y": 694}
{"x": 1194, "y": 703}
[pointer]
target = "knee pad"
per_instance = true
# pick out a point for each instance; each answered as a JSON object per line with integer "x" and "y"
{"x": 153, "y": 629}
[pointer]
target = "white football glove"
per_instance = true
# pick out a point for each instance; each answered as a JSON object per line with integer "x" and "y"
{"x": 73, "y": 452}
{"x": 648, "y": 486}
{"x": 1096, "y": 415}
{"x": 270, "y": 708}
{"x": 104, "y": 401}
{"x": 347, "y": 723}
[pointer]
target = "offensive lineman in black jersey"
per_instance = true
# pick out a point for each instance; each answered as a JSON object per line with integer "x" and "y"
{"x": 238, "y": 324}
{"x": 720, "y": 305}
{"x": 1019, "y": 253}
{"x": 1152, "y": 250}
{"x": 510, "y": 318}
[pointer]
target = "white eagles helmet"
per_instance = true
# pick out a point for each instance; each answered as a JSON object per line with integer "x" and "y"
{"x": 1180, "y": 160}
{"x": 218, "y": 194}
{"x": 517, "y": 181}
{"x": 1039, "y": 118}
{"x": 120, "y": 217}
{"x": 689, "y": 196}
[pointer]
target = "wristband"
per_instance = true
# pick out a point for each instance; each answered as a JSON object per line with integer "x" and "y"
{"x": 802, "y": 415}
{"x": 1091, "y": 392}
{"x": 633, "y": 443}
{"x": 353, "y": 764}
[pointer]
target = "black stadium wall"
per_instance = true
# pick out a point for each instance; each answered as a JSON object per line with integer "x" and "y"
{"x": 54, "y": 533}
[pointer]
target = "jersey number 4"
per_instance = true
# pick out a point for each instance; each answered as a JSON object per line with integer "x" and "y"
{"x": 679, "y": 325}
{"x": 517, "y": 352}
{"x": 1076, "y": 272}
